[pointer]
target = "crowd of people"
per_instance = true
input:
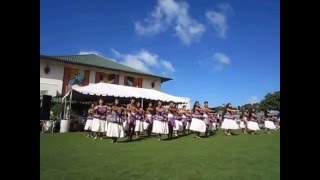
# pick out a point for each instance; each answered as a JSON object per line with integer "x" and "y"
{"x": 118, "y": 121}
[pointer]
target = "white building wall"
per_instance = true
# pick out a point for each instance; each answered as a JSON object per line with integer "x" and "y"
{"x": 51, "y": 82}
{"x": 92, "y": 77}
{"x": 121, "y": 80}
{"x": 147, "y": 81}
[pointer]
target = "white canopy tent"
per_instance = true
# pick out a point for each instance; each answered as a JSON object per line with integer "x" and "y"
{"x": 109, "y": 91}
{"x": 112, "y": 90}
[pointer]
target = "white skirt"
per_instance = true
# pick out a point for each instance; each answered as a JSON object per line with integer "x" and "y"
{"x": 125, "y": 125}
{"x": 188, "y": 125}
{"x": 253, "y": 126}
{"x": 149, "y": 116}
{"x": 242, "y": 125}
{"x": 95, "y": 125}
{"x": 115, "y": 130}
{"x": 179, "y": 125}
{"x": 102, "y": 126}
{"x": 212, "y": 126}
{"x": 160, "y": 127}
{"x": 198, "y": 125}
{"x": 229, "y": 124}
{"x": 145, "y": 126}
{"x": 139, "y": 126}
{"x": 87, "y": 127}
{"x": 106, "y": 126}
{"x": 269, "y": 125}
{"x": 206, "y": 119}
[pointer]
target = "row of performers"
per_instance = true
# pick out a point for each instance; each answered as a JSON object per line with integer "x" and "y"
{"x": 117, "y": 121}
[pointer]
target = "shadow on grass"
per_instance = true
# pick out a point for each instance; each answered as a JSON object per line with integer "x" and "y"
{"x": 133, "y": 140}
{"x": 106, "y": 137}
{"x": 144, "y": 137}
{"x": 170, "y": 139}
{"x": 177, "y": 137}
{"x": 234, "y": 134}
{"x": 249, "y": 134}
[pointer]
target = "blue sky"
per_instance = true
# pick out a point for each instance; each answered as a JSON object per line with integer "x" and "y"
{"x": 215, "y": 50}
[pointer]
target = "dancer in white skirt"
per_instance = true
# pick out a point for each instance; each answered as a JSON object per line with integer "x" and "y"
{"x": 109, "y": 109}
{"x": 229, "y": 123}
{"x": 138, "y": 117}
{"x": 160, "y": 124}
{"x": 115, "y": 126}
{"x": 244, "y": 121}
{"x": 207, "y": 115}
{"x": 212, "y": 122}
{"x": 197, "y": 123}
{"x": 184, "y": 120}
{"x": 171, "y": 121}
{"x": 189, "y": 119}
{"x": 125, "y": 124}
{"x": 218, "y": 121}
{"x": 149, "y": 119}
{"x": 178, "y": 122}
{"x": 131, "y": 109}
{"x": 268, "y": 123}
{"x": 99, "y": 119}
{"x": 252, "y": 124}
{"x": 88, "y": 124}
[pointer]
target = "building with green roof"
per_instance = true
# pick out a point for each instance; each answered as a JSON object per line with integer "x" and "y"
{"x": 59, "y": 73}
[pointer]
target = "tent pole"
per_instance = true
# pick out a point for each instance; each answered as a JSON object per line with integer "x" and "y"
{"x": 65, "y": 108}
{"x": 142, "y": 103}
{"x": 70, "y": 104}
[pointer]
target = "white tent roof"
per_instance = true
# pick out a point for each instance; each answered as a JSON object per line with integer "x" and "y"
{"x": 104, "y": 89}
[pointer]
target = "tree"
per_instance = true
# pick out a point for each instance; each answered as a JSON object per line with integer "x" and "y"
{"x": 271, "y": 101}
{"x": 219, "y": 108}
{"x": 255, "y": 106}
{"x": 246, "y": 106}
{"x": 239, "y": 108}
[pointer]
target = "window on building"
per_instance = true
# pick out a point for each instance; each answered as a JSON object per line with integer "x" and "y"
{"x": 74, "y": 76}
{"x": 107, "y": 78}
{"x": 111, "y": 78}
{"x": 132, "y": 81}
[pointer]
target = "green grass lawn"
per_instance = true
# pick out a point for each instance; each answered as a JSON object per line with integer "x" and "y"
{"x": 241, "y": 157}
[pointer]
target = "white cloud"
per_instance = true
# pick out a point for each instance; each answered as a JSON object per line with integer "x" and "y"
{"x": 143, "y": 61}
{"x": 115, "y": 53}
{"x": 164, "y": 73}
{"x": 252, "y": 100}
{"x": 145, "y": 56}
{"x": 134, "y": 62}
{"x": 168, "y": 66}
{"x": 89, "y": 52}
{"x": 218, "y": 61}
{"x": 221, "y": 60}
{"x": 149, "y": 58}
{"x": 218, "y": 19}
{"x": 169, "y": 13}
{"x": 155, "y": 23}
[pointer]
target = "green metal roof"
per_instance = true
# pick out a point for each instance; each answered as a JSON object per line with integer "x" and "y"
{"x": 100, "y": 62}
